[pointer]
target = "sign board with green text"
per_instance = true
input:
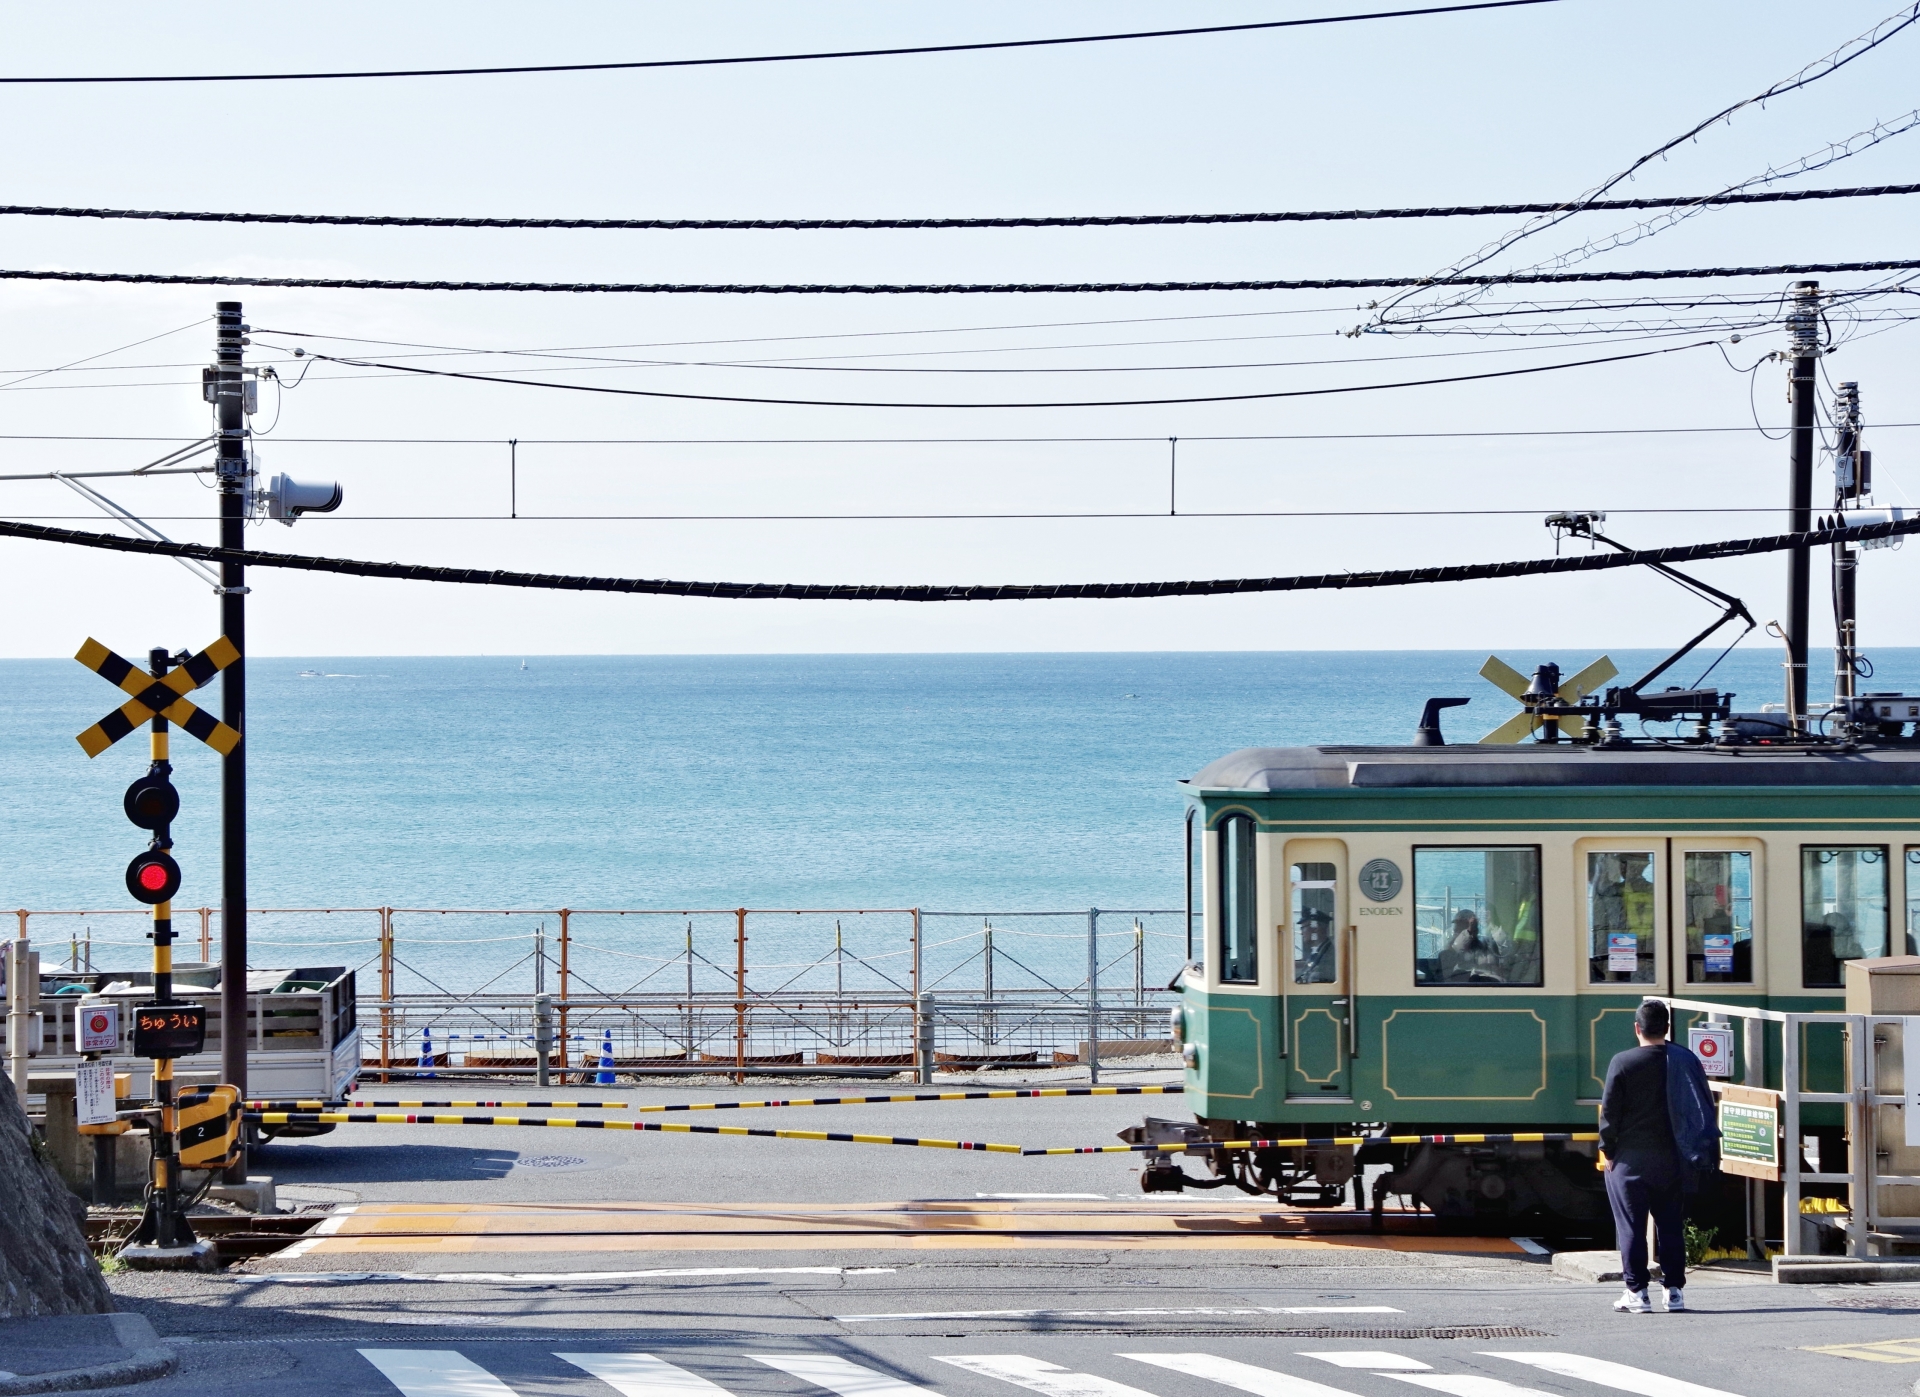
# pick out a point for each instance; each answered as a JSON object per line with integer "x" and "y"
{"x": 1750, "y": 1132}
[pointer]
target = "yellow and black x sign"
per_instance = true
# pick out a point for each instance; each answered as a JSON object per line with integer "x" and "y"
{"x": 158, "y": 698}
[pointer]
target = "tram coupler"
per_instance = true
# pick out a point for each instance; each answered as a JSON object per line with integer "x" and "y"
{"x": 1161, "y": 1172}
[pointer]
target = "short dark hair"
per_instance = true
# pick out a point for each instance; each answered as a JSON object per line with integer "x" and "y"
{"x": 1653, "y": 1018}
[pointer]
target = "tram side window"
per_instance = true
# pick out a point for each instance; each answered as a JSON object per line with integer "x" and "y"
{"x": 1843, "y": 916}
{"x": 1913, "y": 902}
{"x": 1476, "y": 916}
{"x": 1313, "y": 941}
{"x": 1620, "y": 919}
{"x": 1719, "y": 911}
{"x": 1237, "y": 892}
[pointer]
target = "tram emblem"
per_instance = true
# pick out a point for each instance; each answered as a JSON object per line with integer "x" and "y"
{"x": 1380, "y": 879}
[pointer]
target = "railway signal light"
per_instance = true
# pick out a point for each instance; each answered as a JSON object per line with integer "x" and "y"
{"x": 153, "y": 877}
{"x": 152, "y": 802}
{"x": 286, "y": 499}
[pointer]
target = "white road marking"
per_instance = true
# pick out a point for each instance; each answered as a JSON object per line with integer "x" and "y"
{"x": 1373, "y": 1360}
{"x": 643, "y": 1375}
{"x": 838, "y": 1375}
{"x": 435, "y": 1372}
{"x": 1531, "y": 1247}
{"x": 1262, "y": 1382}
{"x": 552, "y": 1277}
{"x": 1100, "y": 1314}
{"x": 1468, "y": 1385}
{"x": 328, "y": 1225}
{"x": 1018, "y": 1196}
{"x": 1609, "y": 1374}
{"x": 1048, "y": 1379}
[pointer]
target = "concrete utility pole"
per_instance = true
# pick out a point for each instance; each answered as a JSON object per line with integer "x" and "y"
{"x": 236, "y": 479}
{"x": 1803, "y": 323}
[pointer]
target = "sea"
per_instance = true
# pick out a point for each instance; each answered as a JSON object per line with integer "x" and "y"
{"x": 970, "y": 784}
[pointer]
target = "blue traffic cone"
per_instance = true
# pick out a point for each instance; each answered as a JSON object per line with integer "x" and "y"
{"x": 606, "y": 1058}
{"x": 426, "y": 1051}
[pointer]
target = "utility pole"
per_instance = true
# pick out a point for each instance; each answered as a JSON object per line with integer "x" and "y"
{"x": 235, "y": 478}
{"x": 1803, "y": 323}
{"x": 1852, "y": 478}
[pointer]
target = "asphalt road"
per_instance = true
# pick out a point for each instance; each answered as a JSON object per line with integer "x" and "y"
{"x": 1188, "y": 1311}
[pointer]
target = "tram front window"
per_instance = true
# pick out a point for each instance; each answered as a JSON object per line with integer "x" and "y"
{"x": 1238, "y": 964}
{"x": 1719, "y": 910}
{"x": 1620, "y": 919}
{"x": 1843, "y": 910}
{"x": 1476, "y": 916}
{"x": 1313, "y": 912}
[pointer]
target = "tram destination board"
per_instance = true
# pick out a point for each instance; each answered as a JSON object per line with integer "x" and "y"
{"x": 1750, "y": 1132}
{"x": 169, "y": 1030}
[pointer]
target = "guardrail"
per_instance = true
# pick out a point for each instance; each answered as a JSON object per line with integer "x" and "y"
{"x": 860, "y": 991}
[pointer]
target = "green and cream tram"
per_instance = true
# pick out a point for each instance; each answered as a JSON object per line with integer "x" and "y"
{"x": 1438, "y": 939}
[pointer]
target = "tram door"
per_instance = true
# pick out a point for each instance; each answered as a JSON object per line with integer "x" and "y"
{"x": 1622, "y": 918}
{"x": 1316, "y": 945}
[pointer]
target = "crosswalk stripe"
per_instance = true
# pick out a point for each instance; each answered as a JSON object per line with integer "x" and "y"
{"x": 839, "y": 1375}
{"x": 1373, "y": 1360}
{"x": 1048, "y": 1379}
{"x": 435, "y": 1372}
{"x": 1616, "y": 1375}
{"x": 1262, "y": 1382}
{"x": 642, "y": 1375}
{"x": 1468, "y": 1385}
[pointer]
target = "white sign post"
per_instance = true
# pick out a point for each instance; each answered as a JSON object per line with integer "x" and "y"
{"x": 1910, "y": 1082}
{"x": 93, "y": 1093}
{"x": 1713, "y": 1045}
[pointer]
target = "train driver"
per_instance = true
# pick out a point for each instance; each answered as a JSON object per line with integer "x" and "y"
{"x": 1470, "y": 958}
{"x": 1314, "y": 960}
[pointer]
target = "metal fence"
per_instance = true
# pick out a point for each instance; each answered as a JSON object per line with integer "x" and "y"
{"x": 471, "y": 991}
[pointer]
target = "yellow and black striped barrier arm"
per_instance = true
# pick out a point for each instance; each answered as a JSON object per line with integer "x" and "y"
{"x": 997, "y": 1094}
{"x": 666, "y": 1127}
{"x": 1524, "y": 1138}
{"x": 164, "y": 697}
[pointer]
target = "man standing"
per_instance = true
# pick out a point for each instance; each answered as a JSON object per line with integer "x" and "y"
{"x": 1657, "y": 1135}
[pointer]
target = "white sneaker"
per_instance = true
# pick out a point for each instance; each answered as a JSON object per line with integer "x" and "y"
{"x": 1676, "y": 1301}
{"x": 1633, "y": 1302}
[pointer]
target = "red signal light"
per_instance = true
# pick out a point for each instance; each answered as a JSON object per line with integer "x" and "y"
{"x": 153, "y": 877}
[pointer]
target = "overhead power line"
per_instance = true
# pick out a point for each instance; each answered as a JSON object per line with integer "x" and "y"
{"x": 657, "y": 288}
{"x": 1065, "y": 591}
{"x": 1125, "y": 220}
{"x": 1115, "y": 402}
{"x": 785, "y": 57}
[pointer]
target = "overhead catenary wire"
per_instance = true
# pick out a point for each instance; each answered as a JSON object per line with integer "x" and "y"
{"x": 424, "y": 372}
{"x": 817, "y": 56}
{"x": 1064, "y": 591}
{"x": 1012, "y": 288}
{"x": 936, "y": 222}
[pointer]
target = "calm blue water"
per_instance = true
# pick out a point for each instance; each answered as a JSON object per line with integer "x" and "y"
{"x": 967, "y": 782}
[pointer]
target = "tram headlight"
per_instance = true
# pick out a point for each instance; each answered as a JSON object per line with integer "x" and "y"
{"x": 1190, "y": 1055}
{"x": 1177, "y": 1024}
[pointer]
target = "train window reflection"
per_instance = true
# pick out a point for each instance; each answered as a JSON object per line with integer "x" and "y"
{"x": 1476, "y": 916}
{"x": 1719, "y": 911}
{"x": 1238, "y": 962}
{"x": 1313, "y": 916}
{"x": 1913, "y": 902}
{"x": 1620, "y": 919}
{"x": 1843, "y": 916}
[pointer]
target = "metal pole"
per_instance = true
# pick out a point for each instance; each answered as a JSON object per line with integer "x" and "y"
{"x": 1803, "y": 323}
{"x": 543, "y": 1039}
{"x": 19, "y": 1003}
{"x": 740, "y": 995}
{"x": 1791, "y": 1158}
{"x": 1093, "y": 995}
{"x": 1849, "y": 483}
{"x": 236, "y": 478}
{"x": 164, "y": 1224}
{"x": 1139, "y": 964}
{"x": 386, "y": 989}
{"x": 565, "y": 978}
{"x": 1754, "y": 1074}
{"x": 916, "y": 953}
{"x": 925, "y": 1053}
{"x": 1860, "y": 1145}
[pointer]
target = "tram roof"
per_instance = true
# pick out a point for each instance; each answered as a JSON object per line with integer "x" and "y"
{"x": 1269, "y": 769}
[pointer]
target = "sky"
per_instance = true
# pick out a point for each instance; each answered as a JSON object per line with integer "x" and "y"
{"x": 1530, "y": 104}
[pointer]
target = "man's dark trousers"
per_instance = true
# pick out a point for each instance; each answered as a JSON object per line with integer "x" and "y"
{"x": 1639, "y": 1185}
